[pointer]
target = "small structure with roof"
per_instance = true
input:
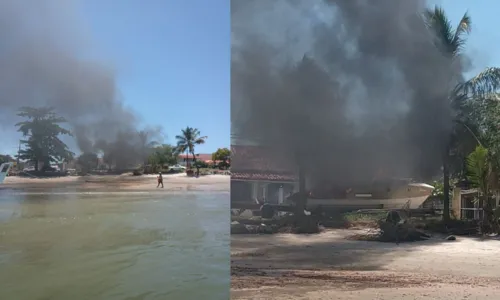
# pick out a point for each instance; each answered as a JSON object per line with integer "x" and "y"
{"x": 259, "y": 175}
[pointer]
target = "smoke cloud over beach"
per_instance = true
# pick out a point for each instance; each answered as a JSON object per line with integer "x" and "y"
{"x": 44, "y": 61}
{"x": 350, "y": 89}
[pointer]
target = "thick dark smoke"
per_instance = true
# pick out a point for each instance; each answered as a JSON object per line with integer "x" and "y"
{"x": 44, "y": 61}
{"x": 351, "y": 89}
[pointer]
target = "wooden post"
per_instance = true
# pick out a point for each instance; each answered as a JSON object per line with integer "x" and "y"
{"x": 456, "y": 203}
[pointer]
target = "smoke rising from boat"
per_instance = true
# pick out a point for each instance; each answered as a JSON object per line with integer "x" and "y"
{"x": 351, "y": 90}
{"x": 45, "y": 61}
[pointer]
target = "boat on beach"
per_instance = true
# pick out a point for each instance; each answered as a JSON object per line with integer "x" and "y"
{"x": 4, "y": 170}
{"x": 392, "y": 194}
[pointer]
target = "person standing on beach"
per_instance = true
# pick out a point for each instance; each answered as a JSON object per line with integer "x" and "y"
{"x": 160, "y": 180}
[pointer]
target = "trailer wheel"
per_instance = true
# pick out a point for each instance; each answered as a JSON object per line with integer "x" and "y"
{"x": 267, "y": 211}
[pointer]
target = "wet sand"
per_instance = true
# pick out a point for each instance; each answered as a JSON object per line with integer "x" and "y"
{"x": 327, "y": 266}
{"x": 125, "y": 182}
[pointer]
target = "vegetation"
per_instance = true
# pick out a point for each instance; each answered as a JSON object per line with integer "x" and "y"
{"x": 451, "y": 40}
{"x": 6, "y": 158}
{"x": 161, "y": 156}
{"x": 187, "y": 142}
{"x": 200, "y": 165}
{"x": 223, "y": 155}
{"x": 42, "y": 130}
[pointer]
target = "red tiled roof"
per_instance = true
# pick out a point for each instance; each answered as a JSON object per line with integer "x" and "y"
{"x": 260, "y": 163}
{"x": 202, "y": 156}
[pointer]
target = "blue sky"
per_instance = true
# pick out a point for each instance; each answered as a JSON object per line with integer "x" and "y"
{"x": 484, "y": 41}
{"x": 172, "y": 61}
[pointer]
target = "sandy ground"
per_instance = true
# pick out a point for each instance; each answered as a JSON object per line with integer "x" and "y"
{"x": 327, "y": 266}
{"x": 174, "y": 182}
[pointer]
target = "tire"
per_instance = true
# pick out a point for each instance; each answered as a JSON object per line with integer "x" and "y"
{"x": 267, "y": 211}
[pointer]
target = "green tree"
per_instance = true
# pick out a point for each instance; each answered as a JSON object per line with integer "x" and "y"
{"x": 42, "y": 130}
{"x": 481, "y": 175}
{"x": 478, "y": 170}
{"x": 223, "y": 155}
{"x": 6, "y": 158}
{"x": 451, "y": 41}
{"x": 162, "y": 155}
{"x": 88, "y": 161}
{"x": 199, "y": 164}
{"x": 187, "y": 141}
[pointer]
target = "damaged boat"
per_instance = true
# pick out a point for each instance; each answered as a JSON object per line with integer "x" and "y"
{"x": 391, "y": 194}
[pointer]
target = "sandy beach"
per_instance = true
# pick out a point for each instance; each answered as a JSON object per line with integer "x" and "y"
{"x": 328, "y": 266}
{"x": 174, "y": 182}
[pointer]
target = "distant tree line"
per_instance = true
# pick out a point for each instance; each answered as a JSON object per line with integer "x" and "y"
{"x": 42, "y": 130}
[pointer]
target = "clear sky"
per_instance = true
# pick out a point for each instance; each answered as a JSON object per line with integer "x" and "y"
{"x": 172, "y": 59}
{"x": 484, "y": 41}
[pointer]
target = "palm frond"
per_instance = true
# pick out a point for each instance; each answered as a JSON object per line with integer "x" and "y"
{"x": 450, "y": 41}
{"x": 200, "y": 140}
{"x": 478, "y": 168}
{"x": 440, "y": 25}
{"x": 463, "y": 28}
{"x": 188, "y": 139}
{"x": 484, "y": 83}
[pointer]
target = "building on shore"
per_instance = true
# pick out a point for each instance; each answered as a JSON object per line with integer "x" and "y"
{"x": 259, "y": 175}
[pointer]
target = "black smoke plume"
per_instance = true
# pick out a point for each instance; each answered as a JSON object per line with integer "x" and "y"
{"x": 44, "y": 61}
{"x": 351, "y": 90}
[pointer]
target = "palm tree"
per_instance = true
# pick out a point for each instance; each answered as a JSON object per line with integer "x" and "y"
{"x": 481, "y": 174}
{"x": 187, "y": 141}
{"x": 452, "y": 41}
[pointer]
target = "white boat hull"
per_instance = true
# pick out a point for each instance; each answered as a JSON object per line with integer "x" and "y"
{"x": 360, "y": 203}
{"x": 4, "y": 170}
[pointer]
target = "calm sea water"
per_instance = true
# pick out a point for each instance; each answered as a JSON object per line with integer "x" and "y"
{"x": 114, "y": 246}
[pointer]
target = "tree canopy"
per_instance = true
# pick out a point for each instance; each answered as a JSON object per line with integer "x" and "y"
{"x": 162, "y": 155}
{"x": 6, "y": 158}
{"x": 452, "y": 41}
{"x": 188, "y": 140}
{"x": 42, "y": 130}
{"x": 223, "y": 155}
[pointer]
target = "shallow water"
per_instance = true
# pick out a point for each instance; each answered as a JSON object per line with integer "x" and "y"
{"x": 114, "y": 246}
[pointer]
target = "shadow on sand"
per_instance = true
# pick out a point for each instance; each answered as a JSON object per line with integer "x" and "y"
{"x": 283, "y": 258}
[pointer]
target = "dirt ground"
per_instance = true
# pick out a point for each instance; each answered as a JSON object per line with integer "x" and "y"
{"x": 328, "y": 266}
{"x": 174, "y": 182}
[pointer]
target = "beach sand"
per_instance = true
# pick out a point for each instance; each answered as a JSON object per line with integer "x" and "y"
{"x": 327, "y": 266}
{"x": 174, "y": 182}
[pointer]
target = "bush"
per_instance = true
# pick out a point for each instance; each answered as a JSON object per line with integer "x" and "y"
{"x": 223, "y": 165}
{"x": 200, "y": 164}
{"x": 171, "y": 171}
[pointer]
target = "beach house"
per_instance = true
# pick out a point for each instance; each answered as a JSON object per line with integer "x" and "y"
{"x": 259, "y": 174}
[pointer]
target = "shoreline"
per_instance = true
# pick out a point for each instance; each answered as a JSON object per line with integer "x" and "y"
{"x": 329, "y": 266}
{"x": 171, "y": 182}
